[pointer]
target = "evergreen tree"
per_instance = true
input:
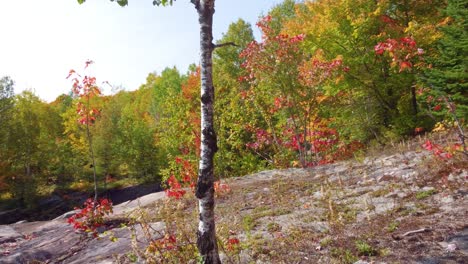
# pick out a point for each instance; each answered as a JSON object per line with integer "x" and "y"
{"x": 448, "y": 74}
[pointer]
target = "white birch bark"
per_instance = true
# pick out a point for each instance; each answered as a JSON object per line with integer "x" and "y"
{"x": 206, "y": 235}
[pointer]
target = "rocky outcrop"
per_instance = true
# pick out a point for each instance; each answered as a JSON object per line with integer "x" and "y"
{"x": 55, "y": 241}
{"x": 53, "y": 206}
{"x": 408, "y": 211}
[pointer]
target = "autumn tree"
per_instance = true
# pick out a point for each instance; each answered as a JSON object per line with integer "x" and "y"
{"x": 6, "y": 104}
{"x": 65, "y": 166}
{"x": 30, "y": 146}
{"x": 377, "y": 100}
{"x": 162, "y": 86}
{"x": 179, "y": 127}
{"x": 233, "y": 159}
{"x": 30, "y": 138}
{"x": 86, "y": 89}
{"x": 108, "y": 138}
{"x": 288, "y": 88}
{"x": 282, "y": 13}
{"x": 137, "y": 129}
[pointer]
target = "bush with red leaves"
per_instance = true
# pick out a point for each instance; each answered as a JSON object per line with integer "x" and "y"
{"x": 91, "y": 216}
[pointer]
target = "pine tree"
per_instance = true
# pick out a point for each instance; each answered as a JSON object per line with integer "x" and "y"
{"x": 448, "y": 74}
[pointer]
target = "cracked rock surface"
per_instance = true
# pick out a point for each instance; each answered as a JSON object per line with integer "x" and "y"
{"x": 404, "y": 207}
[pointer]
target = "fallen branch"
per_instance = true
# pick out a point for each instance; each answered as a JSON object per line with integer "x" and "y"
{"x": 409, "y": 233}
{"x": 416, "y": 231}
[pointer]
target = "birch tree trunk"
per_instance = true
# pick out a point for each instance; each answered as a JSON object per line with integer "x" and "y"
{"x": 206, "y": 235}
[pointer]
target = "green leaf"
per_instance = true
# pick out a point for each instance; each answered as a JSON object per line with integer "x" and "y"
{"x": 81, "y": 1}
{"x": 122, "y": 2}
{"x": 163, "y": 2}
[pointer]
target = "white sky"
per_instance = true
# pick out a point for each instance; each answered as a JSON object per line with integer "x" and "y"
{"x": 42, "y": 40}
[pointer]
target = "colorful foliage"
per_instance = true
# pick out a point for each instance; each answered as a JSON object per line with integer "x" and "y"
{"x": 91, "y": 216}
{"x": 289, "y": 90}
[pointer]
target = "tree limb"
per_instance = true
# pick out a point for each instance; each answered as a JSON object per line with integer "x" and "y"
{"x": 196, "y": 3}
{"x": 461, "y": 134}
{"x": 225, "y": 44}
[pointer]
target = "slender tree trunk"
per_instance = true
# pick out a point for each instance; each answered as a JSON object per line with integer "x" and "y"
{"x": 414, "y": 102}
{"x": 88, "y": 134}
{"x": 206, "y": 235}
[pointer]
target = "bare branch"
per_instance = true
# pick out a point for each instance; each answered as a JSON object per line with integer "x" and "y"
{"x": 461, "y": 134}
{"x": 196, "y": 3}
{"x": 416, "y": 231}
{"x": 225, "y": 44}
{"x": 422, "y": 230}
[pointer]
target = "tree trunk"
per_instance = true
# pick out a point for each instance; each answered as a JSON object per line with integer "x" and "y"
{"x": 414, "y": 101}
{"x": 206, "y": 235}
{"x": 90, "y": 142}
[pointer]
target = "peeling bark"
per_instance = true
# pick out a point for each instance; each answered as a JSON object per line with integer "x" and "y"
{"x": 206, "y": 235}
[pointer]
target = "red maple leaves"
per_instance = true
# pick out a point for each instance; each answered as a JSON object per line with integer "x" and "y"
{"x": 404, "y": 52}
{"x": 175, "y": 189}
{"x": 438, "y": 150}
{"x": 91, "y": 216}
{"x": 186, "y": 172}
{"x": 85, "y": 88}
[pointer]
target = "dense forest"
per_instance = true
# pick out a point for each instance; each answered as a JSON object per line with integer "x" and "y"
{"x": 328, "y": 79}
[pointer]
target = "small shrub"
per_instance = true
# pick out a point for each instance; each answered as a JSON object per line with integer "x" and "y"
{"x": 233, "y": 244}
{"x": 326, "y": 241}
{"x": 364, "y": 249}
{"x": 172, "y": 242}
{"x": 248, "y": 223}
{"x": 273, "y": 227}
{"x": 393, "y": 226}
{"x": 175, "y": 189}
{"x": 343, "y": 255}
{"x": 91, "y": 216}
{"x": 424, "y": 194}
{"x": 221, "y": 188}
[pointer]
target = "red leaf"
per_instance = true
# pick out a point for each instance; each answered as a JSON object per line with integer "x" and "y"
{"x": 379, "y": 49}
{"x": 88, "y": 62}
{"x": 70, "y": 73}
{"x": 405, "y": 65}
{"x": 428, "y": 145}
{"x": 233, "y": 241}
{"x": 418, "y": 130}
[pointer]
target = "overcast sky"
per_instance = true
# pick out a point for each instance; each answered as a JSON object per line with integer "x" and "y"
{"x": 42, "y": 40}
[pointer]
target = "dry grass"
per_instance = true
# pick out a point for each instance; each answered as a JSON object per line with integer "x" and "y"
{"x": 322, "y": 216}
